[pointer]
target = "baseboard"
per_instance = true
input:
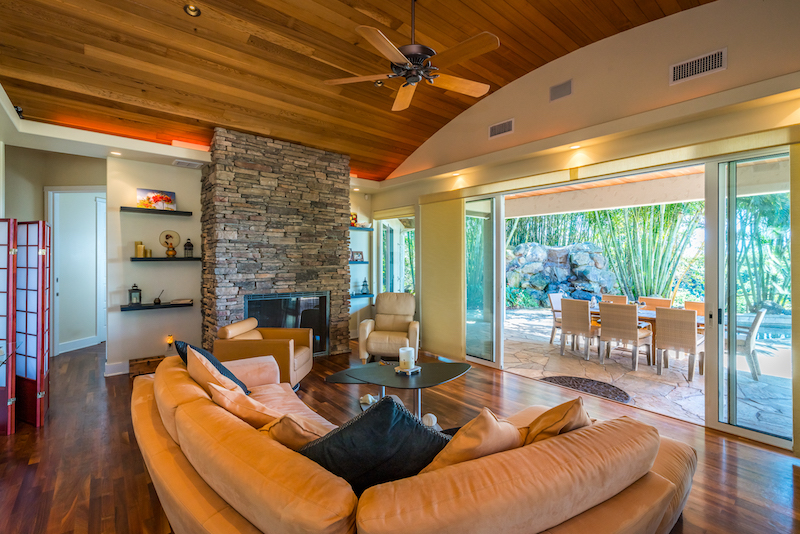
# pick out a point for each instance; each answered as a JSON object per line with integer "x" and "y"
{"x": 78, "y": 344}
{"x": 114, "y": 369}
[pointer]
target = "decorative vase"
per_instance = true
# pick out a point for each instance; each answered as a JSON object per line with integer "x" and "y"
{"x": 171, "y": 252}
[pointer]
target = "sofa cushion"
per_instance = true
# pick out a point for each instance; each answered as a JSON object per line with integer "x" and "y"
{"x": 563, "y": 418}
{"x": 281, "y": 399}
{"x": 294, "y": 431}
{"x": 677, "y": 463}
{"x": 527, "y": 489}
{"x": 204, "y": 368}
{"x": 385, "y": 442}
{"x": 173, "y": 387}
{"x": 245, "y": 408}
{"x": 481, "y": 437}
{"x": 274, "y": 488}
{"x": 386, "y": 343}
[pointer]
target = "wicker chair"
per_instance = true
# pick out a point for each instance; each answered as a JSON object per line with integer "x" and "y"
{"x": 700, "y": 308}
{"x": 621, "y": 323}
{"x": 615, "y": 299}
{"x": 677, "y": 330}
{"x": 577, "y": 321}
{"x": 555, "y": 309}
{"x": 652, "y": 303}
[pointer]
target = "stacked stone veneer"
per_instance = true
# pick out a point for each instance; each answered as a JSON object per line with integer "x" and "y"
{"x": 275, "y": 220}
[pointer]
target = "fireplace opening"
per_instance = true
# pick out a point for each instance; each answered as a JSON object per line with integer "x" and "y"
{"x": 294, "y": 310}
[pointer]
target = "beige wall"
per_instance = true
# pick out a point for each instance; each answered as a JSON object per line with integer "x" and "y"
{"x": 140, "y": 334}
{"x": 29, "y": 171}
{"x": 442, "y": 285}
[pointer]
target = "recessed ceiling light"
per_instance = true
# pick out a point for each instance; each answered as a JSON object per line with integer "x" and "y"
{"x": 192, "y": 10}
{"x": 356, "y": 189}
{"x": 115, "y": 153}
{"x": 455, "y": 174}
{"x": 575, "y": 147}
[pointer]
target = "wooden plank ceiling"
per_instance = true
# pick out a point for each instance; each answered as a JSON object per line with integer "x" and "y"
{"x": 144, "y": 69}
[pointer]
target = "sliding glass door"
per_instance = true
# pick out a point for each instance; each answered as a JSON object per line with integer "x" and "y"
{"x": 752, "y": 333}
{"x": 479, "y": 240}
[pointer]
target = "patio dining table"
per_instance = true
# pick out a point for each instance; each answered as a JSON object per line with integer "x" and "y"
{"x": 649, "y": 316}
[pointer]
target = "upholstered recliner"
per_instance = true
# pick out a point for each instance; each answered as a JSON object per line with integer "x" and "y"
{"x": 394, "y": 327}
{"x": 291, "y": 347}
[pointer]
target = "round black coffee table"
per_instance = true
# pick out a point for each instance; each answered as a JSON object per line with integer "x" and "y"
{"x": 432, "y": 374}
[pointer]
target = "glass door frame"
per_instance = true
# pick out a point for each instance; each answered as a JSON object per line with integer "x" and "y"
{"x": 499, "y": 280}
{"x": 715, "y": 214}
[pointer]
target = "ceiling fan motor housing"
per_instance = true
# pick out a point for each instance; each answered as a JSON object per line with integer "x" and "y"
{"x": 418, "y": 55}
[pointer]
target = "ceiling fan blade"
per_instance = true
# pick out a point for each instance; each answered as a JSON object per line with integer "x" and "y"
{"x": 460, "y": 85}
{"x": 382, "y": 44}
{"x": 354, "y": 79}
{"x": 403, "y": 98}
{"x": 472, "y": 47}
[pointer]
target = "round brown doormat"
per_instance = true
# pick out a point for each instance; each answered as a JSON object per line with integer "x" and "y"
{"x": 587, "y": 385}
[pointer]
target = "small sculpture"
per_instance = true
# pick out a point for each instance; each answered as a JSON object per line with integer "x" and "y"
{"x": 365, "y": 287}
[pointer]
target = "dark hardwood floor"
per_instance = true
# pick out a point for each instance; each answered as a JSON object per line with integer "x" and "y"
{"x": 83, "y": 471}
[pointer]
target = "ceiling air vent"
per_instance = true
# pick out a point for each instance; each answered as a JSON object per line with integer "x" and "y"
{"x": 561, "y": 90}
{"x": 187, "y": 164}
{"x": 501, "y": 128}
{"x": 699, "y": 66}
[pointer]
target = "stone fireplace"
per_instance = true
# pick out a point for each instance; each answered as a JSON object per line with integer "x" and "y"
{"x": 275, "y": 220}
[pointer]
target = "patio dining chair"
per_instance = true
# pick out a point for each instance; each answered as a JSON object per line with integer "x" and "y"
{"x": 746, "y": 343}
{"x": 677, "y": 330}
{"x": 614, "y": 299}
{"x": 621, "y": 323}
{"x": 700, "y": 308}
{"x": 576, "y": 321}
{"x": 652, "y": 303}
{"x": 555, "y": 309}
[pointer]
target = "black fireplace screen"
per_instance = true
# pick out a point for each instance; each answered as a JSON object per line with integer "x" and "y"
{"x": 294, "y": 310}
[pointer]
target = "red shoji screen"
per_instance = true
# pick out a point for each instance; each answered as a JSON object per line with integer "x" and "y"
{"x": 33, "y": 321}
{"x": 8, "y": 281}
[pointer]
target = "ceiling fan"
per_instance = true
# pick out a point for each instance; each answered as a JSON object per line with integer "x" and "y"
{"x": 413, "y": 62}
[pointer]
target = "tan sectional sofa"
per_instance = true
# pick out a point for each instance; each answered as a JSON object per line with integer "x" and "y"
{"x": 216, "y": 474}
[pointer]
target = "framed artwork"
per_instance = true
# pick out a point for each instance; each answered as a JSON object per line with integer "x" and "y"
{"x": 156, "y": 200}
{"x": 358, "y": 255}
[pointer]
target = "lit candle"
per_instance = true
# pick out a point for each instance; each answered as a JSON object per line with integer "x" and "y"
{"x": 406, "y": 358}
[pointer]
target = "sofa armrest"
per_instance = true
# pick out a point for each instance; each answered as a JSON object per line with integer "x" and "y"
{"x": 413, "y": 337}
{"x": 302, "y": 336}
{"x": 258, "y": 371}
{"x": 364, "y": 330}
{"x": 282, "y": 350}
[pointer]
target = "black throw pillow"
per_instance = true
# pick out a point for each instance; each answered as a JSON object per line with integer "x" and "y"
{"x": 384, "y": 443}
{"x": 182, "y": 348}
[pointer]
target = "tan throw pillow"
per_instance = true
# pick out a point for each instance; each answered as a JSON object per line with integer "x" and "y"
{"x": 293, "y": 431}
{"x": 484, "y": 435}
{"x": 202, "y": 372}
{"x": 248, "y": 410}
{"x": 563, "y": 418}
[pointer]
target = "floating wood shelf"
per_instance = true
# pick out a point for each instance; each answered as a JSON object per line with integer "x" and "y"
{"x": 131, "y": 209}
{"x": 166, "y": 259}
{"x": 362, "y": 229}
{"x": 151, "y": 306}
{"x": 362, "y": 296}
{"x": 359, "y": 263}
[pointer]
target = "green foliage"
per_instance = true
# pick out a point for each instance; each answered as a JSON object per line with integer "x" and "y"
{"x": 409, "y": 279}
{"x": 516, "y": 297}
{"x": 763, "y": 251}
{"x": 475, "y": 245}
{"x": 645, "y": 245}
{"x": 557, "y": 230}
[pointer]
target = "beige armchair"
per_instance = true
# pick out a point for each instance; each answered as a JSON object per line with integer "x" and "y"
{"x": 291, "y": 347}
{"x": 394, "y": 327}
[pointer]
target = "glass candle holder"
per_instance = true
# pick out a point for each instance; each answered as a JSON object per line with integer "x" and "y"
{"x": 406, "y": 358}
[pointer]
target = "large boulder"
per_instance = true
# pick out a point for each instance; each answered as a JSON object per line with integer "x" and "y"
{"x": 539, "y": 281}
{"x": 513, "y": 279}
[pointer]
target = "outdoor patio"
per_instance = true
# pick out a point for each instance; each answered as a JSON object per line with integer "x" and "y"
{"x": 764, "y": 405}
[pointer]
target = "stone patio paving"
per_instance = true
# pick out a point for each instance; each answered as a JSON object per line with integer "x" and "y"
{"x": 763, "y": 405}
